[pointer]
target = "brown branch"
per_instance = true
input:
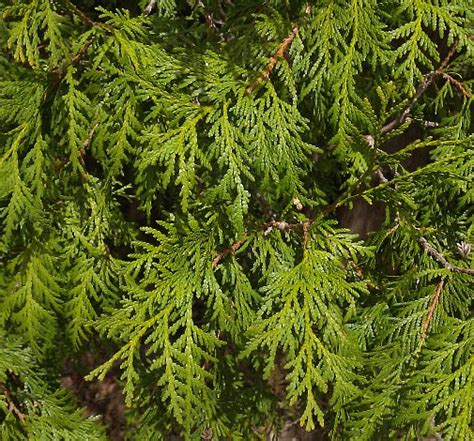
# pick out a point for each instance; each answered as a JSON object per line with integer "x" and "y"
{"x": 381, "y": 176}
{"x": 283, "y": 226}
{"x": 228, "y": 251}
{"x": 80, "y": 53}
{"x": 60, "y": 72}
{"x": 266, "y": 228}
{"x": 433, "y": 252}
{"x": 306, "y": 226}
{"x": 447, "y": 58}
{"x": 85, "y": 18}
{"x": 280, "y": 53}
{"x": 88, "y": 139}
{"x": 395, "y": 123}
{"x": 431, "y": 309}
{"x": 12, "y": 407}
{"x": 344, "y": 197}
{"x": 420, "y": 90}
{"x": 457, "y": 84}
{"x": 82, "y": 154}
{"x": 149, "y": 7}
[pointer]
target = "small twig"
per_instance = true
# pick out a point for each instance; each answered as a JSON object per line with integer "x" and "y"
{"x": 228, "y": 251}
{"x": 399, "y": 120}
{"x": 395, "y": 227}
{"x": 88, "y": 139}
{"x": 82, "y": 153}
{"x": 281, "y": 225}
{"x": 448, "y": 57}
{"x": 431, "y": 309}
{"x": 306, "y": 226}
{"x": 83, "y": 16}
{"x": 86, "y": 19}
{"x": 346, "y": 196}
{"x": 280, "y": 53}
{"x": 420, "y": 90}
{"x": 60, "y": 72}
{"x": 381, "y": 176}
{"x": 149, "y": 7}
{"x": 392, "y": 125}
{"x": 80, "y": 53}
{"x": 11, "y": 405}
{"x": 266, "y": 228}
{"x": 433, "y": 252}
{"x": 457, "y": 84}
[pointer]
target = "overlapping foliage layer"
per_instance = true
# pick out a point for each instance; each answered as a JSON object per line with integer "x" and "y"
{"x": 170, "y": 179}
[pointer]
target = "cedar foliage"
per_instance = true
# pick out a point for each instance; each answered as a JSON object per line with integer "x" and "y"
{"x": 170, "y": 174}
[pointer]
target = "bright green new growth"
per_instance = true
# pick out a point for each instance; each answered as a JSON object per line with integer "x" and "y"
{"x": 172, "y": 175}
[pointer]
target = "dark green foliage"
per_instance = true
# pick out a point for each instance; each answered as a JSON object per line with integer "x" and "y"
{"x": 29, "y": 409}
{"x": 171, "y": 174}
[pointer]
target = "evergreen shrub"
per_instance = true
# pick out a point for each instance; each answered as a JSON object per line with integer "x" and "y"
{"x": 173, "y": 181}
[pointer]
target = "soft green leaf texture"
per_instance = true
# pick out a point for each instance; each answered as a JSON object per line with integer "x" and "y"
{"x": 241, "y": 214}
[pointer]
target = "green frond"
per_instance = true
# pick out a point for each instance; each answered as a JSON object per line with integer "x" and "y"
{"x": 32, "y": 298}
{"x": 244, "y": 218}
{"x": 37, "y": 412}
